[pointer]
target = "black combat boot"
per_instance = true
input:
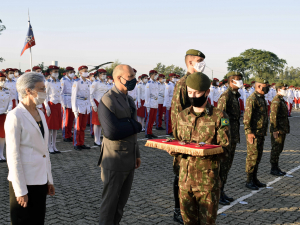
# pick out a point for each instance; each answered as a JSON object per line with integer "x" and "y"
{"x": 249, "y": 182}
{"x": 256, "y": 181}
{"x": 276, "y": 171}
{"x": 223, "y": 200}
{"x": 228, "y": 198}
{"x": 177, "y": 216}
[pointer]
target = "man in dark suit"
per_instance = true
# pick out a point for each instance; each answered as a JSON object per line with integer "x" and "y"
{"x": 120, "y": 154}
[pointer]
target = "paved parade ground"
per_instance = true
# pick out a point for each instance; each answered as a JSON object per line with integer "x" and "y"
{"x": 79, "y": 187}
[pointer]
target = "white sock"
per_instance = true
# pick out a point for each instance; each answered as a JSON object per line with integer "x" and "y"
{"x": 50, "y": 146}
{"x": 2, "y": 142}
{"x": 54, "y": 135}
{"x": 97, "y": 134}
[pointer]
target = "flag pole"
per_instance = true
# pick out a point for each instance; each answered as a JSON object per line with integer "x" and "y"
{"x": 30, "y": 47}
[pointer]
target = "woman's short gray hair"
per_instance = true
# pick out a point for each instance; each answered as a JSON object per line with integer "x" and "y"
{"x": 28, "y": 80}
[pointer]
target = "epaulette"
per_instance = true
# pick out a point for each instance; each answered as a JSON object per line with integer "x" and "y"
{"x": 49, "y": 80}
{"x": 275, "y": 102}
{"x": 77, "y": 79}
{"x": 64, "y": 78}
{"x": 149, "y": 82}
{"x": 169, "y": 83}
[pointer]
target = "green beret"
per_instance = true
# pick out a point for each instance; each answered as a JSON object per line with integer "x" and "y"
{"x": 261, "y": 80}
{"x": 195, "y": 53}
{"x": 198, "y": 81}
{"x": 233, "y": 73}
{"x": 281, "y": 84}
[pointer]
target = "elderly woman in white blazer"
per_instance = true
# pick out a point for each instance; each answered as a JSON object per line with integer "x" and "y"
{"x": 30, "y": 178}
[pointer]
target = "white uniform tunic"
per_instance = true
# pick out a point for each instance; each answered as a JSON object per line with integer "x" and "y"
{"x": 5, "y": 103}
{"x": 133, "y": 93}
{"x": 97, "y": 90}
{"x": 80, "y": 98}
{"x": 53, "y": 88}
{"x": 66, "y": 92}
{"x": 141, "y": 89}
{"x": 151, "y": 94}
{"x": 11, "y": 86}
{"x": 252, "y": 89}
{"x": 161, "y": 92}
{"x": 168, "y": 94}
{"x": 109, "y": 85}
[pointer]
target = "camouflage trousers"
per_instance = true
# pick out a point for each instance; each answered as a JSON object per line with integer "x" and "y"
{"x": 254, "y": 153}
{"x": 226, "y": 162}
{"x": 199, "y": 190}
{"x": 277, "y": 147}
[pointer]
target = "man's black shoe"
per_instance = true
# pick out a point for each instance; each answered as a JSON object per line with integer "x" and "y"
{"x": 68, "y": 140}
{"x": 154, "y": 136}
{"x": 78, "y": 148}
{"x": 52, "y": 153}
{"x": 284, "y": 173}
{"x": 276, "y": 172}
{"x": 249, "y": 182}
{"x": 57, "y": 151}
{"x": 177, "y": 216}
{"x": 160, "y": 128}
{"x": 2, "y": 160}
{"x": 223, "y": 201}
{"x": 97, "y": 144}
{"x": 85, "y": 147}
{"x": 149, "y": 136}
{"x": 259, "y": 184}
{"x": 170, "y": 133}
{"x": 227, "y": 198}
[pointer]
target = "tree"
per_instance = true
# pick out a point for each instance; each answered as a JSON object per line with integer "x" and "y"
{"x": 109, "y": 69}
{"x": 166, "y": 70}
{"x": 2, "y": 28}
{"x": 258, "y": 63}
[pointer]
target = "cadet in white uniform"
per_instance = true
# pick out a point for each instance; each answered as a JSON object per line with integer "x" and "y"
{"x": 68, "y": 115}
{"x": 141, "y": 90}
{"x": 252, "y": 89}
{"x": 110, "y": 82}
{"x": 5, "y": 106}
{"x": 10, "y": 84}
{"x": 53, "y": 107}
{"x": 98, "y": 88}
{"x": 161, "y": 108}
{"x": 151, "y": 103}
{"x": 81, "y": 107}
{"x": 169, "y": 89}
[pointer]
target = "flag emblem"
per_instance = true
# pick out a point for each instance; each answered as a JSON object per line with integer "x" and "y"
{"x": 29, "y": 40}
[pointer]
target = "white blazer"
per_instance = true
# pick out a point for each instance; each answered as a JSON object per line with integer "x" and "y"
{"x": 26, "y": 150}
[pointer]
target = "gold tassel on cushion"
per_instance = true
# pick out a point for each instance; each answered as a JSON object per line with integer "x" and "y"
{"x": 184, "y": 150}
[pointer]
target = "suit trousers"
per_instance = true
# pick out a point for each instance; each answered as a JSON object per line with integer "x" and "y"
{"x": 116, "y": 190}
{"x": 34, "y": 213}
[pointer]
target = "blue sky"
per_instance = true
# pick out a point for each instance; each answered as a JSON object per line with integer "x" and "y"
{"x": 143, "y": 33}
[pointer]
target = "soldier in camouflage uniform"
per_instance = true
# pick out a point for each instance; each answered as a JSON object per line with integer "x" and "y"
{"x": 279, "y": 127}
{"x": 229, "y": 103}
{"x": 180, "y": 101}
{"x": 255, "y": 125}
{"x": 199, "y": 180}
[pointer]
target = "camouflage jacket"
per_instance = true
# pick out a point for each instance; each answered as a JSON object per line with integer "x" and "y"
{"x": 211, "y": 126}
{"x": 279, "y": 116}
{"x": 229, "y": 103}
{"x": 180, "y": 100}
{"x": 256, "y": 115}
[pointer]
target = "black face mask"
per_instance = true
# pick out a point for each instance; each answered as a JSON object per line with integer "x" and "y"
{"x": 198, "y": 102}
{"x": 130, "y": 85}
{"x": 265, "y": 89}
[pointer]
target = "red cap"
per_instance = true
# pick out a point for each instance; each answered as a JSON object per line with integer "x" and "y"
{"x": 139, "y": 77}
{"x": 172, "y": 75}
{"x": 221, "y": 82}
{"x": 64, "y": 74}
{"x": 3, "y": 70}
{"x": 69, "y": 68}
{"x": 47, "y": 74}
{"x": 109, "y": 77}
{"x": 225, "y": 80}
{"x": 15, "y": 69}
{"x": 91, "y": 74}
{"x": 53, "y": 67}
{"x": 27, "y": 71}
{"x": 102, "y": 71}
{"x": 82, "y": 67}
{"x": 9, "y": 69}
{"x": 252, "y": 82}
{"x": 161, "y": 75}
{"x": 134, "y": 70}
{"x": 178, "y": 76}
{"x": 291, "y": 86}
{"x": 216, "y": 79}
{"x": 168, "y": 80}
{"x": 36, "y": 68}
{"x": 152, "y": 71}
{"x": 144, "y": 75}
{"x": 2, "y": 74}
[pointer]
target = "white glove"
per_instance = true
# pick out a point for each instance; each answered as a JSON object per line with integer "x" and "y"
{"x": 168, "y": 108}
{"x": 95, "y": 108}
{"x": 64, "y": 107}
{"x": 148, "y": 110}
{"x": 76, "y": 114}
{"x": 48, "y": 111}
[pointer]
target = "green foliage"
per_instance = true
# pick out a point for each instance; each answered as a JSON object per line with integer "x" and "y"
{"x": 257, "y": 63}
{"x": 166, "y": 70}
{"x": 109, "y": 69}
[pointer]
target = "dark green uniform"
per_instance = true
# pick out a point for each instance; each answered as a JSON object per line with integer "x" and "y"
{"x": 255, "y": 122}
{"x": 278, "y": 122}
{"x": 199, "y": 180}
{"x": 229, "y": 103}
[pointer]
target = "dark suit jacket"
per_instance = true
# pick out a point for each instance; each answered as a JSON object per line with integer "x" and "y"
{"x": 119, "y": 148}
